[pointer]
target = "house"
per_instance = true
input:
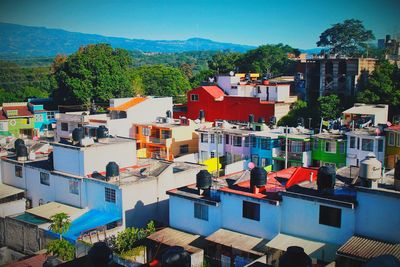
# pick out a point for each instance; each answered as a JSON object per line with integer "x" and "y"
{"x": 16, "y": 120}
{"x": 392, "y": 149}
{"x": 262, "y": 145}
{"x": 329, "y": 149}
{"x": 168, "y": 138}
{"x": 44, "y": 111}
{"x": 363, "y": 141}
{"x": 365, "y": 114}
{"x": 12, "y": 200}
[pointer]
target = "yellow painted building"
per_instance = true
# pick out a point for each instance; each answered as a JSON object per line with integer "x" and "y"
{"x": 392, "y": 146}
{"x": 168, "y": 138}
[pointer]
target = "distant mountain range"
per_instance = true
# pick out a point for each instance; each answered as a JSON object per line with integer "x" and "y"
{"x": 18, "y": 41}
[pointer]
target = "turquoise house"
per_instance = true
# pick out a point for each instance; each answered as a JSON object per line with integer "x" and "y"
{"x": 261, "y": 148}
{"x": 44, "y": 112}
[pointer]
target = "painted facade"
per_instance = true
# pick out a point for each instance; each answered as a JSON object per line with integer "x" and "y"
{"x": 329, "y": 149}
{"x": 392, "y": 146}
{"x": 44, "y": 118}
{"x": 16, "y": 120}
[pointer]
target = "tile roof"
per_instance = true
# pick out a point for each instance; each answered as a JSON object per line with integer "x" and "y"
{"x": 364, "y": 248}
{"x": 393, "y": 128}
{"x": 34, "y": 261}
{"x": 133, "y": 102}
{"x": 23, "y": 111}
{"x": 214, "y": 91}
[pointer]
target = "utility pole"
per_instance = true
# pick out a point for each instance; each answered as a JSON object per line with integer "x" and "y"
{"x": 286, "y": 147}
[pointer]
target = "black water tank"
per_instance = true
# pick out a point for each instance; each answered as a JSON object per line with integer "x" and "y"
{"x": 326, "y": 178}
{"x": 251, "y": 118}
{"x": 175, "y": 256}
{"x": 202, "y": 115}
{"x": 295, "y": 257}
{"x": 272, "y": 120}
{"x": 100, "y": 255}
{"x": 102, "y": 132}
{"x": 112, "y": 169}
{"x": 203, "y": 180}
{"x": 258, "y": 177}
{"x": 261, "y": 120}
{"x": 21, "y": 151}
{"x": 169, "y": 114}
{"x": 397, "y": 170}
{"x": 18, "y": 142}
{"x": 78, "y": 134}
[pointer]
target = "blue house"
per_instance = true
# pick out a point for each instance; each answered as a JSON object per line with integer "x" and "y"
{"x": 262, "y": 145}
{"x": 44, "y": 112}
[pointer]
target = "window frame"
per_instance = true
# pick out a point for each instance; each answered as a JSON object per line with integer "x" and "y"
{"x": 18, "y": 171}
{"x": 327, "y": 219}
{"x": 265, "y": 144}
{"x": 184, "y": 149}
{"x": 63, "y": 128}
{"x": 204, "y": 137}
{"x": 251, "y": 210}
{"x": 370, "y": 141}
{"x": 194, "y": 97}
{"x": 352, "y": 143}
{"x": 236, "y": 138}
{"x": 44, "y": 176}
{"x": 332, "y": 149}
{"x": 200, "y": 211}
{"x": 74, "y": 187}
{"x": 110, "y": 195}
{"x": 391, "y": 139}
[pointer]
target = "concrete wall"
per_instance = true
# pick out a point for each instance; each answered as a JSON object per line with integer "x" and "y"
{"x": 301, "y": 218}
{"x": 21, "y": 236}
{"x": 235, "y": 167}
{"x": 357, "y": 153}
{"x": 377, "y": 215}
{"x": 13, "y": 207}
{"x": 8, "y": 174}
{"x": 95, "y": 197}
{"x": 232, "y": 213}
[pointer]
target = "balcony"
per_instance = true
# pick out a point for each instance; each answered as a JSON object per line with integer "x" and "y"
{"x": 155, "y": 140}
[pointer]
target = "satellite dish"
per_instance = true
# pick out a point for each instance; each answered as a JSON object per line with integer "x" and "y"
{"x": 251, "y": 165}
{"x": 231, "y": 73}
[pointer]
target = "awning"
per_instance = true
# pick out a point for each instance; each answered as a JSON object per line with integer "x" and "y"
{"x": 52, "y": 208}
{"x": 6, "y": 191}
{"x": 243, "y": 242}
{"x": 172, "y": 237}
{"x": 89, "y": 221}
{"x": 318, "y": 250}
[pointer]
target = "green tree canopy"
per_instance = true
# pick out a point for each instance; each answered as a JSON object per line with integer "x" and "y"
{"x": 347, "y": 38}
{"x": 94, "y": 73}
{"x": 161, "y": 80}
{"x": 383, "y": 87}
{"x": 329, "y": 107}
{"x": 202, "y": 76}
{"x": 224, "y": 62}
{"x": 61, "y": 247}
{"x": 267, "y": 59}
{"x": 298, "y": 110}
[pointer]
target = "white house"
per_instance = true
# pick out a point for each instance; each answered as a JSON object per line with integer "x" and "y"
{"x": 362, "y": 142}
{"x": 378, "y": 114}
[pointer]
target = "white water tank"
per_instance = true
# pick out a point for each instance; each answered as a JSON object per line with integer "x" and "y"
{"x": 370, "y": 168}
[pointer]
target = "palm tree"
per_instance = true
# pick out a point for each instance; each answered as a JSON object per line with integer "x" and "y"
{"x": 60, "y": 223}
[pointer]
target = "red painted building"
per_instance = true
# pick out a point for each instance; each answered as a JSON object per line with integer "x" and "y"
{"x": 219, "y": 106}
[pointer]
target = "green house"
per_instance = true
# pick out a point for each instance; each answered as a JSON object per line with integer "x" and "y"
{"x": 329, "y": 149}
{"x": 16, "y": 120}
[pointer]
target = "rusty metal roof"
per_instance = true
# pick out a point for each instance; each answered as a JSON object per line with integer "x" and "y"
{"x": 363, "y": 248}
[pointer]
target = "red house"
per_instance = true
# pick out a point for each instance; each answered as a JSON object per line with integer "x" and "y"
{"x": 217, "y": 105}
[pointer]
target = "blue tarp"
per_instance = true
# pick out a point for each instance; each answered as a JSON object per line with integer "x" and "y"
{"x": 88, "y": 221}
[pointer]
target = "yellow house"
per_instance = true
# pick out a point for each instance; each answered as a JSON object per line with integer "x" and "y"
{"x": 392, "y": 146}
{"x": 168, "y": 138}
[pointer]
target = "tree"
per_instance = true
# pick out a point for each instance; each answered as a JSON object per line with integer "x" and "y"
{"x": 329, "y": 106}
{"x": 61, "y": 247}
{"x": 298, "y": 110}
{"x": 202, "y": 76}
{"x": 223, "y": 62}
{"x": 161, "y": 80}
{"x": 347, "y": 38}
{"x": 383, "y": 87}
{"x": 267, "y": 59}
{"x": 94, "y": 73}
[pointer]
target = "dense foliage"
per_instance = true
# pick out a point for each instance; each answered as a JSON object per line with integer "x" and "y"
{"x": 329, "y": 107}
{"x": 383, "y": 87}
{"x": 347, "y": 38}
{"x": 224, "y": 62}
{"x": 94, "y": 73}
{"x": 60, "y": 247}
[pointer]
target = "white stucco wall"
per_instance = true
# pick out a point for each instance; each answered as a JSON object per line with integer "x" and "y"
{"x": 301, "y": 218}
{"x": 8, "y": 175}
{"x": 13, "y": 207}
{"x": 356, "y": 153}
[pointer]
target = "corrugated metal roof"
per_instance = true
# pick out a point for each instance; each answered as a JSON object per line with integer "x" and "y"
{"x": 364, "y": 248}
{"x": 243, "y": 242}
{"x": 52, "y": 208}
{"x": 6, "y": 191}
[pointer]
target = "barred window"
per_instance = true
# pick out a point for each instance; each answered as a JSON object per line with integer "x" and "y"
{"x": 110, "y": 195}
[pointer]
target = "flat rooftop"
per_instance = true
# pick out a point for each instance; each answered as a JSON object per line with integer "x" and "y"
{"x": 108, "y": 142}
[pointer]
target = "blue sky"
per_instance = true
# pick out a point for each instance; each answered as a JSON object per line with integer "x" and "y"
{"x": 253, "y": 22}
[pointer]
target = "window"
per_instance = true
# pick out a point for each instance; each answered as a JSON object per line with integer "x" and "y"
{"x": 296, "y": 146}
{"x": 342, "y": 148}
{"x": 330, "y": 147}
{"x": 203, "y": 155}
{"x": 165, "y": 134}
{"x": 253, "y": 141}
{"x": 219, "y": 139}
{"x": 44, "y": 178}
{"x": 251, "y": 210}
{"x": 146, "y": 131}
{"x": 50, "y": 115}
{"x": 201, "y": 211}
{"x": 212, "y": 138}
{"x": 315, "y": 144}
{"x": 184, "y": 149}
{"x": 74, "y": 187}
{"x": 204, "y": 138}
{"x": 212, "y": 154}
{"x": 264, "y": 162}
{"x": 247, "y": 141}
{"x": 330, "y": 216}
{"x": 380, "y": 145}
{"x": 110, "y": 195}
{"x": 64, "y": 126}
{"x": 194, "y": 97}
{"x": 237, "y": 141}
{"x": 367, "y": 145}
{"x": 265, "y": 144}
{"x": 227, "y": 139}
{"x": 352, "y": 142}
{"x": 18, "y": 171}
{"x": 254, "y": 159}
{"x": 391, "y": 138}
